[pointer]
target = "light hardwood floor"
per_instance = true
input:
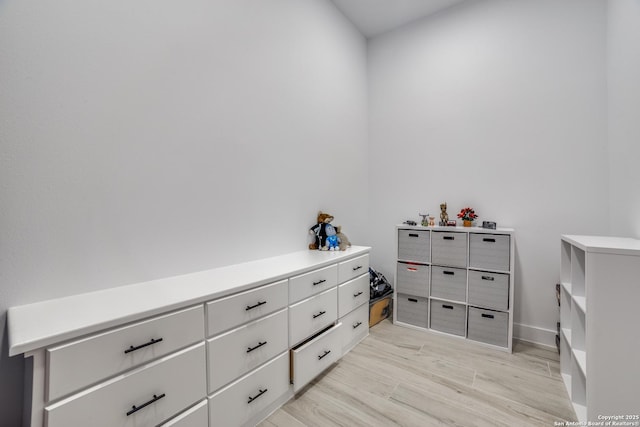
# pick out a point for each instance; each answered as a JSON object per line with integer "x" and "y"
{"x": 405, "y": 377}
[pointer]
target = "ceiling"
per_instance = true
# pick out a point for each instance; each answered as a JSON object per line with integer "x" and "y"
{"x": 373, "y": 17}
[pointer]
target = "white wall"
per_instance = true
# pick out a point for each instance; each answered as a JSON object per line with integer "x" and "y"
{"x": 624, "y": 110}
{"x": 498, "y": 105}
{"x": 146, "y": 139}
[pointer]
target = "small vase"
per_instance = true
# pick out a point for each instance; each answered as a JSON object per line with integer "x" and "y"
{"x": 467, "y": 223}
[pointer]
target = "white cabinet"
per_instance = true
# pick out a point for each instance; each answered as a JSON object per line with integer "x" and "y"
{"x": 202, "y": 349}
{"x": 598, "y": 348}
{"x": 456, "y": 280}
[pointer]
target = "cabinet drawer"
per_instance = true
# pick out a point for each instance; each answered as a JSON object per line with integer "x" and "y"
{"x": 315, "y": 356}
{"x": 413, "y": 310}
{"x": 84, "y": 362}
{"x": 414, "y": 245}
{"x": 312, "y": 315}
{"x": 236, "y": 352}
{"x": 353, "y": 294}
{"x": 146, "y": 396}
{"x": 490, "y": 290}
{"x": 490, "y": 251}
{"x": 412, "y": 279}
{"x": 229, "y": 312}
{"x": 355, "y": 327}
{"x": 305, "y": 285}
{"x": 448, "y": 317}
{"x": 449, "y": 283}
{"x": 449, "y": 248}
{"x": 352, "y": 268}
{"x": 242, "y": 400}
{"x": 491, "y": 327}
{"x": 197, "y": 416}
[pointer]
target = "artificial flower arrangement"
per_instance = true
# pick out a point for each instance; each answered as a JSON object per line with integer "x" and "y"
{"x": 467, "y": 214}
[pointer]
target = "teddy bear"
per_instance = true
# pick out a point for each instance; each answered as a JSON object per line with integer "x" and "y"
{"x": 344, "y": 241}
{"x": 326, "y": 236}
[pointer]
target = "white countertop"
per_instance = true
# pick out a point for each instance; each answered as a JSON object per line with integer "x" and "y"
{"x": 37, "y": 325}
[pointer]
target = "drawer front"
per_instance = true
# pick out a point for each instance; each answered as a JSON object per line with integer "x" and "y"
{"x": 198, "y": 416}
{"x": 236, "y": 352}
{"x": 414, "y": 245}
{"x": 312, "y": 315}
{"x": 226, "y": 313}
{"x": 488, "y": 326}
{"x": 355, "y": 327}
{"x": 306, "y": 285}
{"x": 490, "y": 251}
{"x": 84, "y": 362}
{"x": 412, "y": 279}
{"x": 352, "y": 268}
{"x": 150, "y": 394}
{"x": 413, "y": 310}
{"x": 449, "y": 283}
{"x": 490, "y": 290}
{"x": 315, "y": 356}
{"x": 449, "y": 248}
{"x": 448, "y": 317}
{"x": 353, "y": 294}
{"x": 245, "y": 398}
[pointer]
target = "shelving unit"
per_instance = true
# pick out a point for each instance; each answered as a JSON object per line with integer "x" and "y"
{"x": 599, "y": 345}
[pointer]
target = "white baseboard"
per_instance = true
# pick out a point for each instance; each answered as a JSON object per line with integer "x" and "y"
{"x": 535, "y": 335}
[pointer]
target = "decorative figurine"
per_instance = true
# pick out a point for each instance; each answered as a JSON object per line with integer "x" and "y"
{"x": 425, "y": 222}
{"x": 326, "y": 237}
{"x": 444, "y": 217}
{"x": 432, "y": 221}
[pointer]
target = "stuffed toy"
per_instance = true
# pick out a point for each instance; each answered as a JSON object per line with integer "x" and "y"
{"x": 326, "y": 237}
{"x": 344, "y": 241}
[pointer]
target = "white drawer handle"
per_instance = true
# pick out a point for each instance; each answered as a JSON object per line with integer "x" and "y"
{"x": 135, "y": 408}
{"x": 319, "y": 282}
{"x": 358, "y": 294}
{"x": 251, "y": 307}
{"x": 357, "y": 324}
{"x": 319, "y": 314}
{"x": 486, "y": 239}
{"x": 357, "y": 268}
{"x": 488, "y": 316}
{"x": 260, "y": 344}
{"x": 138, "y": 347}
{"x": 489, "y": 278}
{"x": 261, "y": 392}
{"x": 324, "y": 354}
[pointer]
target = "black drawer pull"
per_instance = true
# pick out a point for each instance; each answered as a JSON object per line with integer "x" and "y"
{"x": 319, "y": 314}
{"x": 251, "y": 307}
{"x": 260, "y": 344}
{"x": 491, "y": 279}
{"x": 324, "y": 354}
{"x": 448, "y": 307}
{"x": 318, "y": 282}
{"x": 488, "y": 316}
{"x": 138, "y": 347}
{"x": 135, "y": 408}
{"x": 413, "y": 235}
{"x": 357, "y": 268}
{"x": 261, "y": 392}
{"x": 358, "y": 294}
{"x": 448, "y": 237}
{"x": 412, "y": 299}
{"x": 486, "y": 239}
{"x": 357, "y": 324}
{"x": 450, "y": 273}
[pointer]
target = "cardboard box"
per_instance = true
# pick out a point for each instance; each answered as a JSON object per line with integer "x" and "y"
{"x": 380, "y": 309}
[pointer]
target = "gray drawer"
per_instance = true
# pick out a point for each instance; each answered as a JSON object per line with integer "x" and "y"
{"x": 449, "y": 248}
{"x": 490, "y": 290}
{"x": 448, "y": 317}
{"x": 414, "y": 245}
{"x": 491, "y": 327}
{"x": 413, "y": 310}
{"x": 490, "y": 251}
{"x": 449, "y": 283}
{"x": 413, "y": 279}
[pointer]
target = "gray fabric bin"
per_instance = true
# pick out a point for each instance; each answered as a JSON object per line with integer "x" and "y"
{"x": 413, "y": 310}
{"x": 489, "y": 251}
{"x": 448, "y": 317}
{"x": 489, "y": 290}
{"x": 449, "y": 248}
{"x": 488, "y": 326}
{"x": 414, "y": 245}
{"x": 449, "y": 283}
{"x": 412, "y": 279}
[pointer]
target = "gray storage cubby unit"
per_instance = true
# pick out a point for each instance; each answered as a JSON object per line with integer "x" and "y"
{"x": 413, "y": 310}
{"x": 448, "y": 317}
{"x": 456, "y": 280}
